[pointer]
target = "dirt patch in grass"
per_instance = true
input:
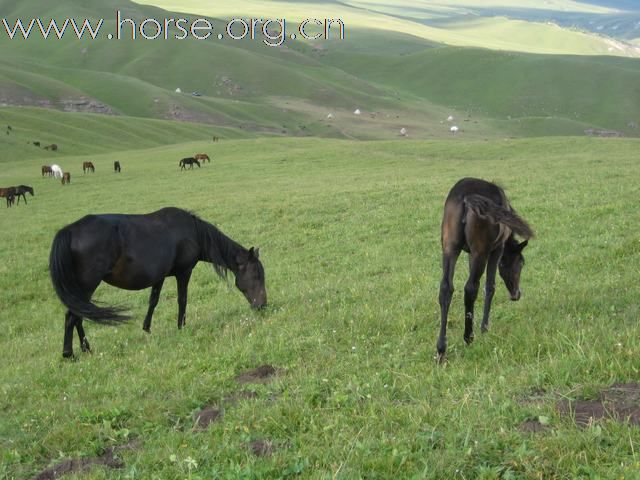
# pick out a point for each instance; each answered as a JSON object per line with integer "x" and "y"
{"x": 533, "y": 426}
{"x": 206, "y": 417}
{"x": 262, "y": 448}
{"x": 620, "y": 402}
{"x": 262, "y": 374}
{"x": 75, "y": 465}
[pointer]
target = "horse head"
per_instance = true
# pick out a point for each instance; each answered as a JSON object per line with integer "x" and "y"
{"x": 250, "y": 278}
{"x": 510, "y": 266}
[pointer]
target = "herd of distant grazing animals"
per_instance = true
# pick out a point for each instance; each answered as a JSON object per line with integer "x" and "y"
{"x": 55, "y": 171}
{"x": 10, "y": 193}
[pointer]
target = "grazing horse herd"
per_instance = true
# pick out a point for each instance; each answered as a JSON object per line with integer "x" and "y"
{"x": 196, "y": 159}
{"x": 55, "y": 171}
{"x": 11, "y": 193}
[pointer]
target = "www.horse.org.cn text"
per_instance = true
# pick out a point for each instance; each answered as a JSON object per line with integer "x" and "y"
{"x": 272, "y": 32}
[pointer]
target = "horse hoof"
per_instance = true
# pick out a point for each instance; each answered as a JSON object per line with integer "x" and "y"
{"x": 68, "y": 355}
{"x": 441, "y": 358}
{"x": 85, "y": 346}
{"x": 484, "y": 328}
{"x": 147, "y": 329}
{"x": 468, "y": 339}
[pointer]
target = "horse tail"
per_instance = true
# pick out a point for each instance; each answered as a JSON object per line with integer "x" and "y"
{"x": 488, "y": 209}
{"x": 65, "y": 281}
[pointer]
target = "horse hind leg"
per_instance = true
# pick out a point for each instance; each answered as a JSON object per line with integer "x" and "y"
{"x": 84, "y": 343}
{"x": 449, "y": 260}
{"x": 477, "y": 264}
{"x": 69, "y": 323}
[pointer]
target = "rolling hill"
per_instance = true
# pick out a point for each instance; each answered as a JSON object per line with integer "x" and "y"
{"x": 398, "y": 77}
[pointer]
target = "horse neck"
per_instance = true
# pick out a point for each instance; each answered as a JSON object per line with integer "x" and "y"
{"x": 217, "y": 248}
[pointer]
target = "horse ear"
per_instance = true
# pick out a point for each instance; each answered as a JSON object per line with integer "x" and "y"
{"x": 522, "y": 245}
{"x": 256, "y": 252}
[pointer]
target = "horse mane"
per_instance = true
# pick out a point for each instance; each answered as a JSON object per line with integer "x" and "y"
{"x": 486, "y": 208}
{"x": 216, "y": 247}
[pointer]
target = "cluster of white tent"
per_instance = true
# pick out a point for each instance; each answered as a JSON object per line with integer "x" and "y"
{"x": 403, "y": 131}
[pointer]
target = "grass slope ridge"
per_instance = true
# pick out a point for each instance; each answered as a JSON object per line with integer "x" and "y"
{"x": 83, "y": 134}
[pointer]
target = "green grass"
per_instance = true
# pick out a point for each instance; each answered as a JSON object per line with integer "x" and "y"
{"x": 349, "y": 237}
{"x": 83, "y": 134}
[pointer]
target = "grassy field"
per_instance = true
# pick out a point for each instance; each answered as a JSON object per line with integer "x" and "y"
{"x": 349, "y": 237}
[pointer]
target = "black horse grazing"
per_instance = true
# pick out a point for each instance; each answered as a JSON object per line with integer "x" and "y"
{"x": 479, "y": 220}
{"x": 116, "y": 166}
{"x": 188, "y": 161}
{"x": 136, "y": 252}
{"x": 20, "y": 191}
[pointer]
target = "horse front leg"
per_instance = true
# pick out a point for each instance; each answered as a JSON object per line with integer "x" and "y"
{"x": 477, "y": 264}
{"x": 490, "y": 287}
{"x": 449, "y": 260}
{"x": 153, "y": 301}
{"x": 183, "y": 284}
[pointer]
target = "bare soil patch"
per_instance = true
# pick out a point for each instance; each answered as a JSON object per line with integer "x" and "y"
{"x": 75, "y": 465}
{"x": 206, "y": 417}
{"x": 262, "y": 374}
{"x": 533, "y": 426}
{"x": 262, "y": 448}
{"x": 620, "y": 402}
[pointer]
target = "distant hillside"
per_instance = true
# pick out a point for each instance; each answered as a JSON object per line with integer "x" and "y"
{"x": 84, "y": 134}
{"x": 397, "y": 80}
{"x": 513, "y": 88}
{"x": 453, "y": 22}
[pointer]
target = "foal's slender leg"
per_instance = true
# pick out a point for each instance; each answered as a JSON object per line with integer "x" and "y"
{"x": 477, "y": 264}
{"x": 183, "y": 282}
{"x": 490, "y": 286}
{"x": 153, "y": 301}
{"x": 449, "y": 260}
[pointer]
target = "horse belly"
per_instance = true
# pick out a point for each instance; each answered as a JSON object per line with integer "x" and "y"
{"x": 129, "y": 274}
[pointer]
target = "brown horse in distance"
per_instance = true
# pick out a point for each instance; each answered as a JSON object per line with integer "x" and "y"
{"x": 53, "y": 147}
{"x": 116, "y": 166}
{"x": 66, "y": 178}
{"x": 479, "y": 220}
{"x": 9, "y": 193}
{"x": 203, "y": 157}
{"x": 88, "y": 166}
{"x": 46, "y": 170}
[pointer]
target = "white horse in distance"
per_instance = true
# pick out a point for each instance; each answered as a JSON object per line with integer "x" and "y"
{"x": 57, "y": 171}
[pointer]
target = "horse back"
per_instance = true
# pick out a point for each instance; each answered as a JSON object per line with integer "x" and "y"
{"x": 136, "y": 251}
{"x": 462, "y": 229}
